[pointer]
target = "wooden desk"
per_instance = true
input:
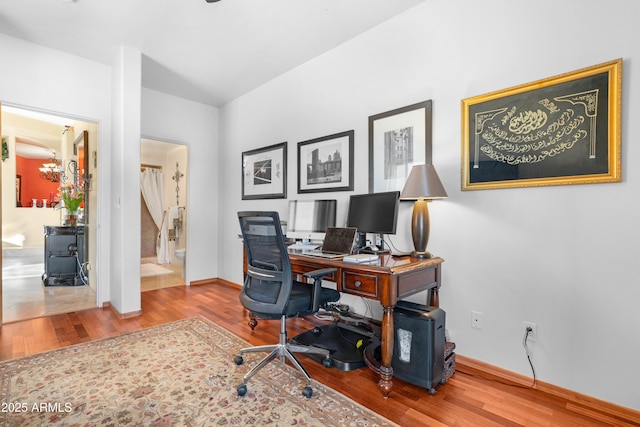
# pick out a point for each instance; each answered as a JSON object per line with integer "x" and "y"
{"x": 387, "y": 281}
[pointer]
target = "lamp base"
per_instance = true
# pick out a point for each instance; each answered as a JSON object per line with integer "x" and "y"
{"x": 420, "y": 229}
{"x": 416, "y": 254}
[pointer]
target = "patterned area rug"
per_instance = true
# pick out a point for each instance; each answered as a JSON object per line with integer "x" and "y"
{"x": 178, "y": 374}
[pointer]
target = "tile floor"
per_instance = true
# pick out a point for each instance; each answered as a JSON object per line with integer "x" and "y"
{"x": 25, "y": 297}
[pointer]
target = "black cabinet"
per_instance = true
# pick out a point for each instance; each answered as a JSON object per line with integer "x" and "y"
{"x": 63, "y": 256}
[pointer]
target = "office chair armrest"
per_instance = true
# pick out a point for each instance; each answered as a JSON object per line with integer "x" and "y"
{"x": 317, "y": 276}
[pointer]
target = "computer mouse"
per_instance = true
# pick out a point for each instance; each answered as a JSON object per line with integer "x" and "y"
{"x": 316, "y": 331}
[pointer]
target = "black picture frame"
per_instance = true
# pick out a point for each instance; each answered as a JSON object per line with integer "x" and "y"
{"x": 326, "y": 163}
{"x": 264, "y": 173}
{"x": 556, "y": 131}
{"x": 398, "y": 140}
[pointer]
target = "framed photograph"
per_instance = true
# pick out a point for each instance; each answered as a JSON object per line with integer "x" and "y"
{"x": 264, "y": 173}
{"x": 398, "y": 140}
{"x": 19, "y": 191}
{"x": 556, "y": 131}
{"x": 326, "y": 164}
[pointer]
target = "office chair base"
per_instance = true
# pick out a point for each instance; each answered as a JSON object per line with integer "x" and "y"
{"x": 284, "y": 350}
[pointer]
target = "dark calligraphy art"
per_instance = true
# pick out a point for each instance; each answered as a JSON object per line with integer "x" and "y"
{"x": 563, "y": 130}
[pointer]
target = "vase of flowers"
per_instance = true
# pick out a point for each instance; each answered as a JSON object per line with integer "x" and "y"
{"x": 72, "y": 197}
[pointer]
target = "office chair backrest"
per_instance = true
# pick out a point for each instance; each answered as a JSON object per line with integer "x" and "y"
{"x": 269, "y": 280}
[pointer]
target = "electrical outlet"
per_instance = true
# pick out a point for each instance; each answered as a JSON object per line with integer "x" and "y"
{"x": 476, "y": 320}
{"x": 533, "y": 334}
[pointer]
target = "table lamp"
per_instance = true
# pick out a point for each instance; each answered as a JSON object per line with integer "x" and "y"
{"x": 423, "y": 185}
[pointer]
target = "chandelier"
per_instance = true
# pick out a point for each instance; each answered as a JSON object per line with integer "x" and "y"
{"x": 51, "y": 170}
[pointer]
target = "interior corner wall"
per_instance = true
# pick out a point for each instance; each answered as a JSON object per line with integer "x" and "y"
{"x": 51, "y": 81}
{"x": 125, "y": 250}
{"x": 562, "y": 257}
{"x": 169, "y": 118}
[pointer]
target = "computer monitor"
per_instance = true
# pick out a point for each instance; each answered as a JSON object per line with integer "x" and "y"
{"x": 373, "y": 213}
{"x": 309, "y": 219}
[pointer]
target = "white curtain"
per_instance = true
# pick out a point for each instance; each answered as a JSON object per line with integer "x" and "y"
{"x": 152, "y": 186}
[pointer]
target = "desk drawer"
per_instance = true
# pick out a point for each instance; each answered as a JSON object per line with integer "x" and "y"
{"x": 302, "y": 269}
{"x": 360, "y": 284}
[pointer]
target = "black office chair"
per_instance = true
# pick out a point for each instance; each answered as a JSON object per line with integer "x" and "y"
{"x": 269, "y": 291}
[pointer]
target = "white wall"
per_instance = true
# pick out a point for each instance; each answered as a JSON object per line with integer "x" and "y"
{"x": 56, "y": 82}
{"x": 125, "y": 198}
{"x": 52, "y": 81}
{"x": 562, "y": 257}
{"x": 169, "y": 118}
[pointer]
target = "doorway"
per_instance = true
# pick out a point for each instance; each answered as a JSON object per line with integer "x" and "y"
{"x": 40, "y": 153}
{"x": 164, "y": 225}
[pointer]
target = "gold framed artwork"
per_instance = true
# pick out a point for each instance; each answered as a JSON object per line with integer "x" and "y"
{"x": 557, "y": 131}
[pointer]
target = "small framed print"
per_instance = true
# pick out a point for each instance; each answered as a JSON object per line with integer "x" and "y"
{"x": 398, "y": 140}
{"x": 326, "y": 163}
{"x": 264, "y": 173}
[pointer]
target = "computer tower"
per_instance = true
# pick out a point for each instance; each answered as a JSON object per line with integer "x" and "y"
{"x": 419, "y": 344}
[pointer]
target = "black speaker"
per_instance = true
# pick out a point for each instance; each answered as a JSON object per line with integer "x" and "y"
{"x": 418, "y": 345}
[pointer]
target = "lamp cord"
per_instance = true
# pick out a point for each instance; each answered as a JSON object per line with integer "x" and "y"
{"x": 526, "y": 348}
{"x": 387, "y": 239}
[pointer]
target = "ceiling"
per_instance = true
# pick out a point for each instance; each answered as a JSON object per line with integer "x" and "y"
{"x": 38, "y": 135}
{"x": 207, "y": 52}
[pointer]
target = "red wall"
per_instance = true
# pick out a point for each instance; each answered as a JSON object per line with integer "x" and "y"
{"x": 33, "y": 186}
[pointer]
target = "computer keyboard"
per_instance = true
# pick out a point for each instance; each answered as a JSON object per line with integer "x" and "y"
{"x": 304, "y": 246}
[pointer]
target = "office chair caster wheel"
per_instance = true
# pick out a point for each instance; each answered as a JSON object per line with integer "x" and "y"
{"x": 327, "y": 362}
{"x": 242, "y": 389}
{"x": 307, "y": 392}
{"x": 238, "y": 360}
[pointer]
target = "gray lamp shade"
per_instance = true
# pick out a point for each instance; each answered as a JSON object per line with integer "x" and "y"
{"x": 423, "y": 182}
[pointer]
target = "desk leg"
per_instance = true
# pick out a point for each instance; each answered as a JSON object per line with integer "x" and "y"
{"x": 383, "y": 367}
{"x": 386, "y": 371}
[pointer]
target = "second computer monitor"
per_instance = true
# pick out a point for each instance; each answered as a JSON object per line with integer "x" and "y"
{"x": 309, "y": 219}
{"x": 374, "y": 212}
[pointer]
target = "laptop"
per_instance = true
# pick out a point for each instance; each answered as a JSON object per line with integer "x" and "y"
{"x": 338, "y": 242}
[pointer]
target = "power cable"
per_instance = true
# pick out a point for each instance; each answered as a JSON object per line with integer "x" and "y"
{"x": 527, "y": 332}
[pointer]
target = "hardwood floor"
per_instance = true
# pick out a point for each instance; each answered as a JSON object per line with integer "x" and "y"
{"x": 467, "y": 399}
